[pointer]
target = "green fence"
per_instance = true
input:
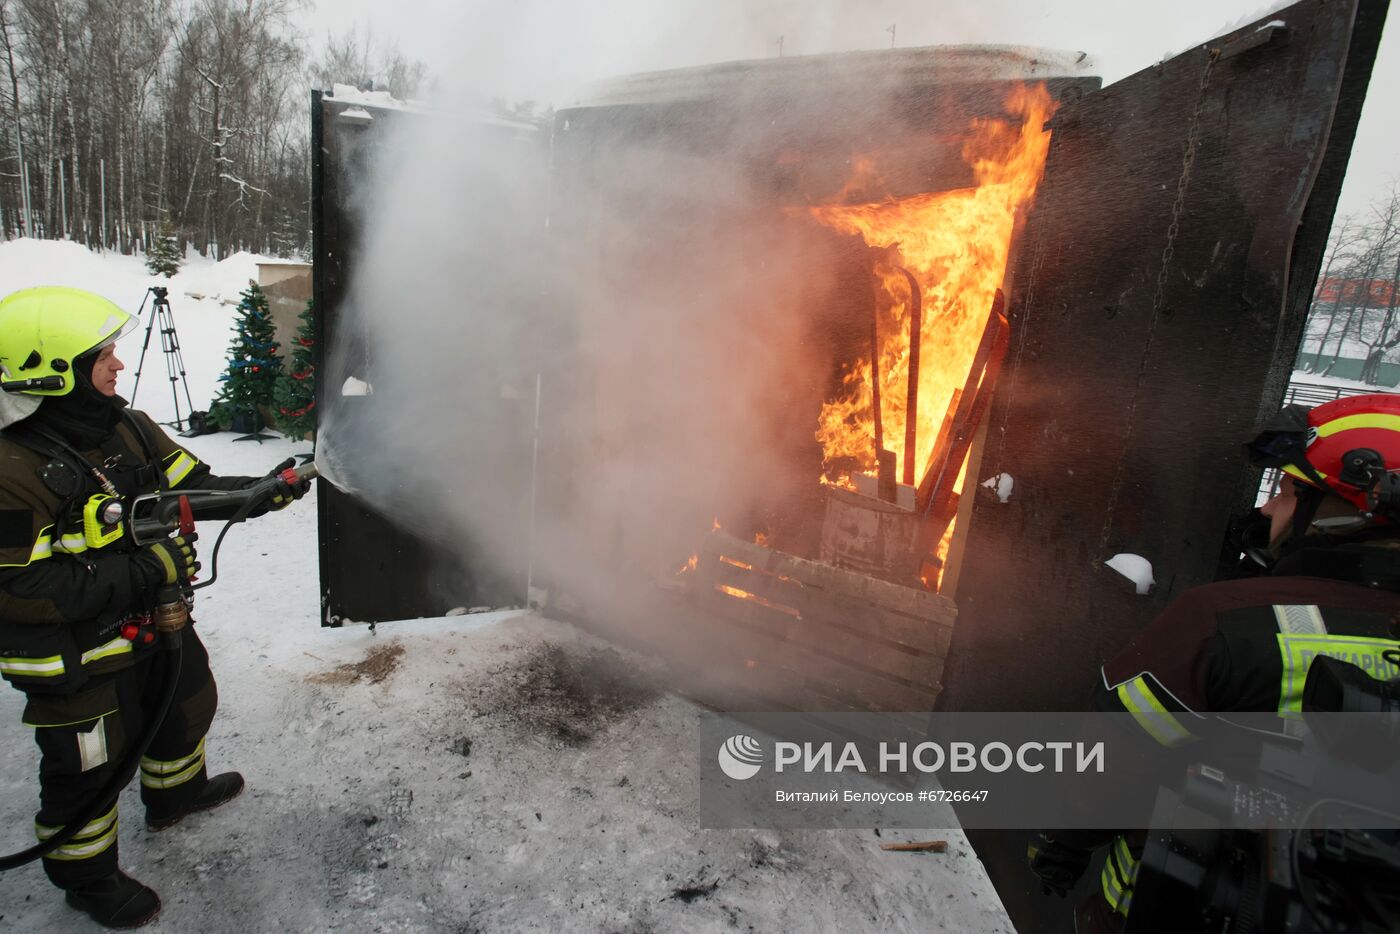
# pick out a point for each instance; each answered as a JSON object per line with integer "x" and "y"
{"x": 1347, "y": 368}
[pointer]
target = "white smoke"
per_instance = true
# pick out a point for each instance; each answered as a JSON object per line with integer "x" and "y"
{"x": 654, "y": 291}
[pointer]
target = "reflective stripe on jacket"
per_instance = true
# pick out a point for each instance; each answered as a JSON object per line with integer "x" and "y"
{"x": 65, "y": 579}
{"x": 1245, "y": 646}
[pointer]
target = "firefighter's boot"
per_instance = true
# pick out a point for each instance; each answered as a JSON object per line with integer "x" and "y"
{"x": 216, "y": 791}
{"x": 117, "y": 901}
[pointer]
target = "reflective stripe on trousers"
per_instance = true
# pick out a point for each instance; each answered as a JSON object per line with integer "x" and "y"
{"x": 159, "y": 774}
{"x": 94, "y": 838}
{"x": 49, "y": 667}
{"x": 1119, "y": 874}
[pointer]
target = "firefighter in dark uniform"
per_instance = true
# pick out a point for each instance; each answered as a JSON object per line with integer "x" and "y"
{"x": 75, "y": 595}
{"x": 1333, "y": 588}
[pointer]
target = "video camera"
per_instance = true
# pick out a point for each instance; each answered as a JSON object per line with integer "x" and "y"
{"x": 1305, "y": 881}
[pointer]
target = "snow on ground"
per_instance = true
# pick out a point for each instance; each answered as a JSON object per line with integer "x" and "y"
{"x": 497, "y": 772}
{"x": 1303, "y": 377}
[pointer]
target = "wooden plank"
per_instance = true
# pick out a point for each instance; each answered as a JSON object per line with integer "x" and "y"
{"x": 771, "y": 649}
{"x": 818, "y": 635}
{"x": 860, "y": 617}
{"x": 952, "y": 567}
{"x": 942, "y": 503}
{"x": 919, "y": 672}
{"x": 734, "y": 668}
{"x": 918, "y": 603}
{"x": 924, "y": 846}
{"x": 943, "y": 467}
{"x": 728, "y": 650}
{"x": 868, "y": 621}
{"x": 706, "y": 654}
{"x": 884, "y": 626}
{"x": 724, "y": 663}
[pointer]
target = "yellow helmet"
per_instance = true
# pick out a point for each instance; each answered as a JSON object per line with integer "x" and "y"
{"x": 43, "y": 330}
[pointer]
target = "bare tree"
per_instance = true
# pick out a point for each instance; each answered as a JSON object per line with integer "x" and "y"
{"x": 1322, "y": 318}
{"x": 368, "y": 64}
{"x": 1353, "y": 306}
{"x": 21, "y": 169}
{"x": 123, "y": 116}
{"x": 1386, "y": 335}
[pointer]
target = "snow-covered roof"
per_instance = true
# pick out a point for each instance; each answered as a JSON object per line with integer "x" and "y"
{"x": 877, "y": 70}
{"x": 1265, "y": 10}
{"x": 349, "y": 94}
{"x": 361, "y": 103}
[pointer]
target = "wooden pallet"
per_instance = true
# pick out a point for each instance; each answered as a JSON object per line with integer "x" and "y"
{"x": 787, "y": 633}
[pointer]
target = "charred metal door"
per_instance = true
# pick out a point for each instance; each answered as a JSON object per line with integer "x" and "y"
{"x": 1158, "y": 300}
{"x": 372, "y": 568}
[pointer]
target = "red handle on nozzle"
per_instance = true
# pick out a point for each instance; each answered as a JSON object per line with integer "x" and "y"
{"x": 294, "y": 476}
{"x": 186, "y": 516}
{"x": 186, "y": 521}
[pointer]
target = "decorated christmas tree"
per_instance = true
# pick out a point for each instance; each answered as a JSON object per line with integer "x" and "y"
{"x": 253, "y": 366}
{"x": 164, "y": 256}
{"x": 296, "y": 388}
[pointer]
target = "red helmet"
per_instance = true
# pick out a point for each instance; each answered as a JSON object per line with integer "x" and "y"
{"x": 1346, "y": 447}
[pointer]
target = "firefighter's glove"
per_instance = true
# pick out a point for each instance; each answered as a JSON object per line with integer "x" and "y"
{"x": 172, "y": 561}
{"x": 1057, "y": 864}
{"x": 284, "y": 493}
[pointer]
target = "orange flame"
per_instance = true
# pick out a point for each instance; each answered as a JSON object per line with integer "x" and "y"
{"x": 956, "y": 244}
{"x": 755, "y": 598}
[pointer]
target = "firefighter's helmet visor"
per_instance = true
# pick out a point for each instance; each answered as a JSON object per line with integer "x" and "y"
{"x": 1284, "y": 440}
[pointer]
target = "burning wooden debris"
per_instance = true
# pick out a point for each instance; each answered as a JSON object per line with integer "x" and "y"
{"x": 818, "y": 637}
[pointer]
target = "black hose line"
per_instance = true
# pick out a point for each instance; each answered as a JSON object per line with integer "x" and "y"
{"x": 238, "y": 517}
{"x": 125, "y": 771}
{"x": 108, "y": 795}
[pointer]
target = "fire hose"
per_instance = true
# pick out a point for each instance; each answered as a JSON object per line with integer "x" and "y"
{"x": 152, "y": 517}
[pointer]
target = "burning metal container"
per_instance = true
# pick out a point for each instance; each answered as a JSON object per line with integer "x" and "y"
{"x": 1008, "y": 276}
{"x": 905, "y": 176}
{"x": 1008, "y": 272}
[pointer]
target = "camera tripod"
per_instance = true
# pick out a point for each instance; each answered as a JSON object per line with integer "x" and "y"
{"x": 170, "y": 345}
